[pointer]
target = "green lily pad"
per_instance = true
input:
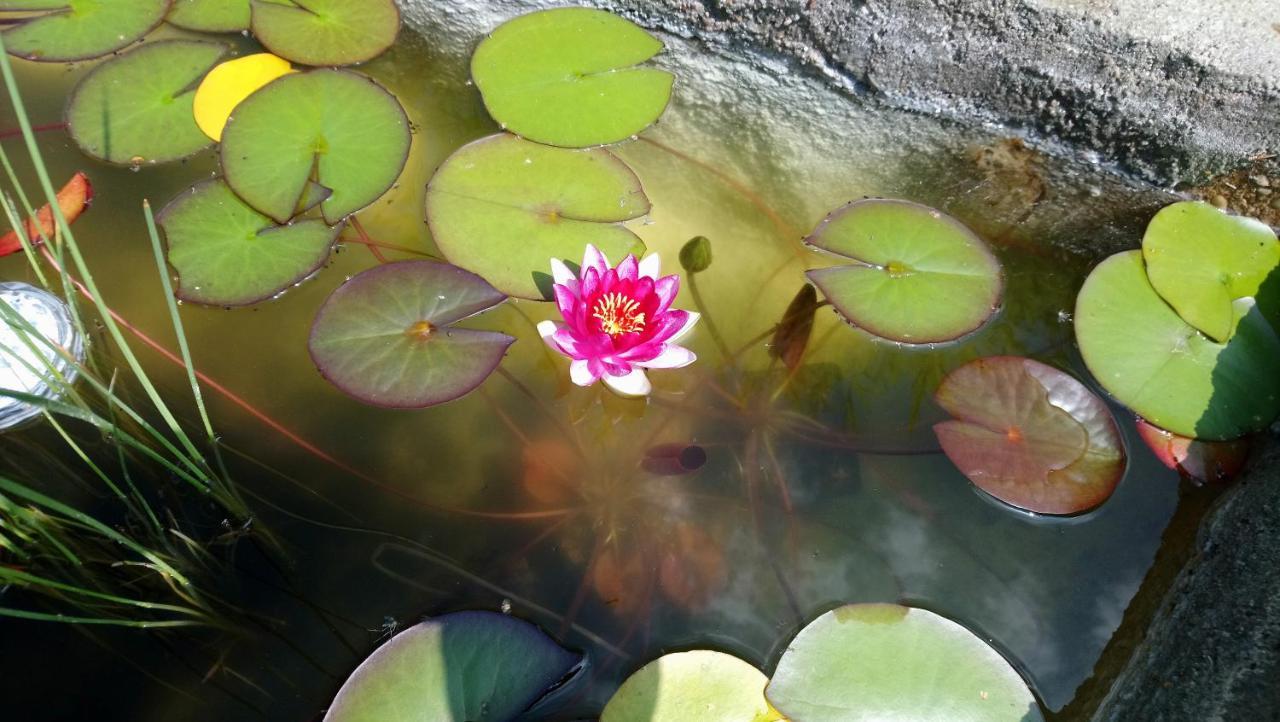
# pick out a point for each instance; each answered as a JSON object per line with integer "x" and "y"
{"x": 567, "y": 77}
{"x": 919, "y": 276}
{"x": 1152, "y": 361}
{"x": 696, "y": 686}
{"x": 79, "y": 29}
{"x": 1030, "y": 435}
{"x": 227, "y": 254}
{"x": 503, "y": 207}
{"x": 864, "y": 662}
{"x": 386, "y": 337}
{"x": 460, "y": 667}
{"x": 137, "y": 108}
{"x": 351, "y": 131}
{"x": 1201, "y": 260}
{"x": 326, "y": 32}
{"x": 210, "y": 16}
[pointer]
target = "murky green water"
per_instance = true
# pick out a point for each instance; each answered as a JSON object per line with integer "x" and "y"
{"x": 821, "y": 487}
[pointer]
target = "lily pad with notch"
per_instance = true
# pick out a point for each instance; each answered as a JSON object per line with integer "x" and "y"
{"x": 457, "y": 667}
{"x": 210, "y": 16}
{"x": 1201, "y": 260}
{"x": 503, "y": 207}
{"x": 569, "y": 77}
{"x": 326, "y": 32}
{"x": 387, "y": 336}
{"x": 700, "y": 685}
{"x": 75, "y": 30}
{"x": 228, "y": 254}
{"x": 918, "y": 276}
{"x": 137, "y": 108}
{"x": 1030, "y": 435}
{"x": 1142, "y": 352}
{"x": 864, "y": 662}
{"x": 341, "y": 126}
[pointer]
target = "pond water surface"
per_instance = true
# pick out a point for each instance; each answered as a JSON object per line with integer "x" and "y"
{"x": 820, "y": 487}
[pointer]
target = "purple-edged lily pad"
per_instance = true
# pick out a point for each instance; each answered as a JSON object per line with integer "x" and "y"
{"x": 1030, "y": 435}
{"x": 460, "y": 667}
{"x": 918, "y": 275}
{"x": 386, "y": 336}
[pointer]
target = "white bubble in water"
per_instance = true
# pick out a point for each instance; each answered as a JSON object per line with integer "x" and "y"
{"x": 34, "y": 324}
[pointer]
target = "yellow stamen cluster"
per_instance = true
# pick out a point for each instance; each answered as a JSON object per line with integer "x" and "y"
{"x": 618, "y": 314}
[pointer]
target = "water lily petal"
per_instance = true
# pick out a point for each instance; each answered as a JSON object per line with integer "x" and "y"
{"x": 651, "y": 266}
{"x": 635, "y": 383}
{"x": 580, "y": 372}
{"x": 590, "y": 283}
{"x": 561, "y": 275}
{"x": 629, "y": 269}
{"x": 693, "y": 317}
{"x": 593, "y": 258}
{"x": 666, "y": 289}
{"x": 672, "y": 357}
{"x": 566, "y": 300}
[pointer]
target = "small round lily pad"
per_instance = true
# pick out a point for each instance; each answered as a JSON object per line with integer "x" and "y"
{"x": 137, "y": 108}
{"x": 697, "y": 686}
{"x": 503, "y": 207}
{"x": 326, "y": 32}
{"x": 1201, "y": 260}
{"x": 918, "y": 276}
{"x": 228, "y": 84}
{"x": 866, "y": 662}
{"x": 227, "y": 254}
{"x": 568, "y": 77}
{"x": 460, "y": 667}
{"x": 1152, "y": 361}
{"x": 79, "y": 29}
{"x": 386, "y": 337}
{"x": 210, "y": 16}
{"x": 344, "y": 126}
{"x": 1030, "y": 435}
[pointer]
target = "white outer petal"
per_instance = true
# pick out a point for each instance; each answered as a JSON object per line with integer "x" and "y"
{"x": 546, "y": 329}
{"x": 672, "y": 357}
{"x": 688, "y": 324}
{"x": 560, "y": 273}
{"x": 633, "y": 384}
{"x": 651, "y": 266}
{"x": 579, "y": 374}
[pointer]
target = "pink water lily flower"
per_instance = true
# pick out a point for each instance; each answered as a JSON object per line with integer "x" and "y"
{"x": 617, "y": 321}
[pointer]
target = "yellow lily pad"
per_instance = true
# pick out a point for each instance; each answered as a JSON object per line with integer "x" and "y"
{"x": 230, "y": 83}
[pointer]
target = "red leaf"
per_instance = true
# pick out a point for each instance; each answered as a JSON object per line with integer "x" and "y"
{"x": 74, "y": 197}
{"x": 1203, "y": 461}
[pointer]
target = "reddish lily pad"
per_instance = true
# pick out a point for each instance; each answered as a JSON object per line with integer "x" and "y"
{"x": 1030, "y": 435}
{"x": 1203, "y": 461}
{"x": 918, "y": 276}
{"x": 78, "y": 30}
{"x": 386, "y": 337}
{"x": 73, "y": 199}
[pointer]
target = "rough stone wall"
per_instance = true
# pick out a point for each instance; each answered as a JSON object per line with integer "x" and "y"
{"x": 1213, "y": 652}
{"x": 1113, "y": 77}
